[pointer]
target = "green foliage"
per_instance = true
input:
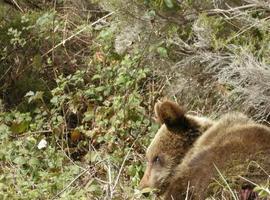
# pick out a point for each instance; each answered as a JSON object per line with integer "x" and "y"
{"x": 263, "y": 190}
{"x": 27, "y": 171}
{"x": 74, "y": 114}
{"x": 100, "y": 105}
{"x": 162, "y": 4}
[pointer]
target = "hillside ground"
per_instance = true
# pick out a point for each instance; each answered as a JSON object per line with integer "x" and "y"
{"x": 79, "y": 79}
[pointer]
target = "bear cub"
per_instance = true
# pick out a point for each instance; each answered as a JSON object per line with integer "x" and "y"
{"x": 189, "y": 152}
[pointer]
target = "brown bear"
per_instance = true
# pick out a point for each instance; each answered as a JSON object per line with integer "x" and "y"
{"x": 190, "y": 153}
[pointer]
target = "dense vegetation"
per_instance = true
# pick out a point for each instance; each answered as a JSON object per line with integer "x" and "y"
{"x": 78, "y": 81}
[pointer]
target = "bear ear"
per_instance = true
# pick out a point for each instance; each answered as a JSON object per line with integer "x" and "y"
{"x": 172, "y": 115}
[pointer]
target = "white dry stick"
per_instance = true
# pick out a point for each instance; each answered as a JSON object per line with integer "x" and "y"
{"x": 235, "y": 197}
{"x": 78, "y": 32}
{"x": 187, "y": 191}
{"x": 65, "y": 188}
{"x": 110, "y": 189}
{"x": 258, "y": 165}
{"x": 217, "y": 10}
{"x": 17, "y": 5}
{"x": 122, "y": 166}
{"x": 121, "y": 169}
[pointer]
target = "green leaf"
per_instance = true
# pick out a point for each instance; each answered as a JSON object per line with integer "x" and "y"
{"x": 4, "y": 130}
{"x": 19, "y": 127}
{"x": 162, "y": 52}
{"x": 20, "y": 160}
{"x": 55, "y": 100}
{"x": 94, "y": 188}
{"x": 169, "y": 3}
{"x": 96, "y": 76}
{"x": 37, "y": 61}
{"x": 121, "y": 79}
{"x": 34, "y": 162}
{"x": 100, "y": 89}
{"x": 91, "y": 156}
{"x": 34, "y": 96}
{"x": 39, "y": 95}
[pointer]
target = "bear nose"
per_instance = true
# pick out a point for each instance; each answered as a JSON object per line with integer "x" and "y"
{"x": 144, "y": 181}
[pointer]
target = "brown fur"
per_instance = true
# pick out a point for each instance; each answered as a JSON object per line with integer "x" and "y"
{"x": 190, "y": 149}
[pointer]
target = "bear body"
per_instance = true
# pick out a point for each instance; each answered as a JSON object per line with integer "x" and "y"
{"x": 189, "y": 152}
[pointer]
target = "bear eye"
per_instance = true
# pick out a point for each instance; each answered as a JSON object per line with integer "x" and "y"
{"x": 156, "y": 160}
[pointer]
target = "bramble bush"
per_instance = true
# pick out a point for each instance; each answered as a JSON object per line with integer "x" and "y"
{"x": 66, "y": 137}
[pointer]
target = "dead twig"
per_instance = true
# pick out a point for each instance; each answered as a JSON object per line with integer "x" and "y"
{"x": 77, "y": 33}
{"x": 65, "y": 188}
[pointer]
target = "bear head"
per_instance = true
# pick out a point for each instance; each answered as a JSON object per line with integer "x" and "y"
{"x": 175, "y": 137}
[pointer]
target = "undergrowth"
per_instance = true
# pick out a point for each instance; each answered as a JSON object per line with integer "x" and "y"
{"x": 79, "y": 79}
{"x": 72, "y": 115}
